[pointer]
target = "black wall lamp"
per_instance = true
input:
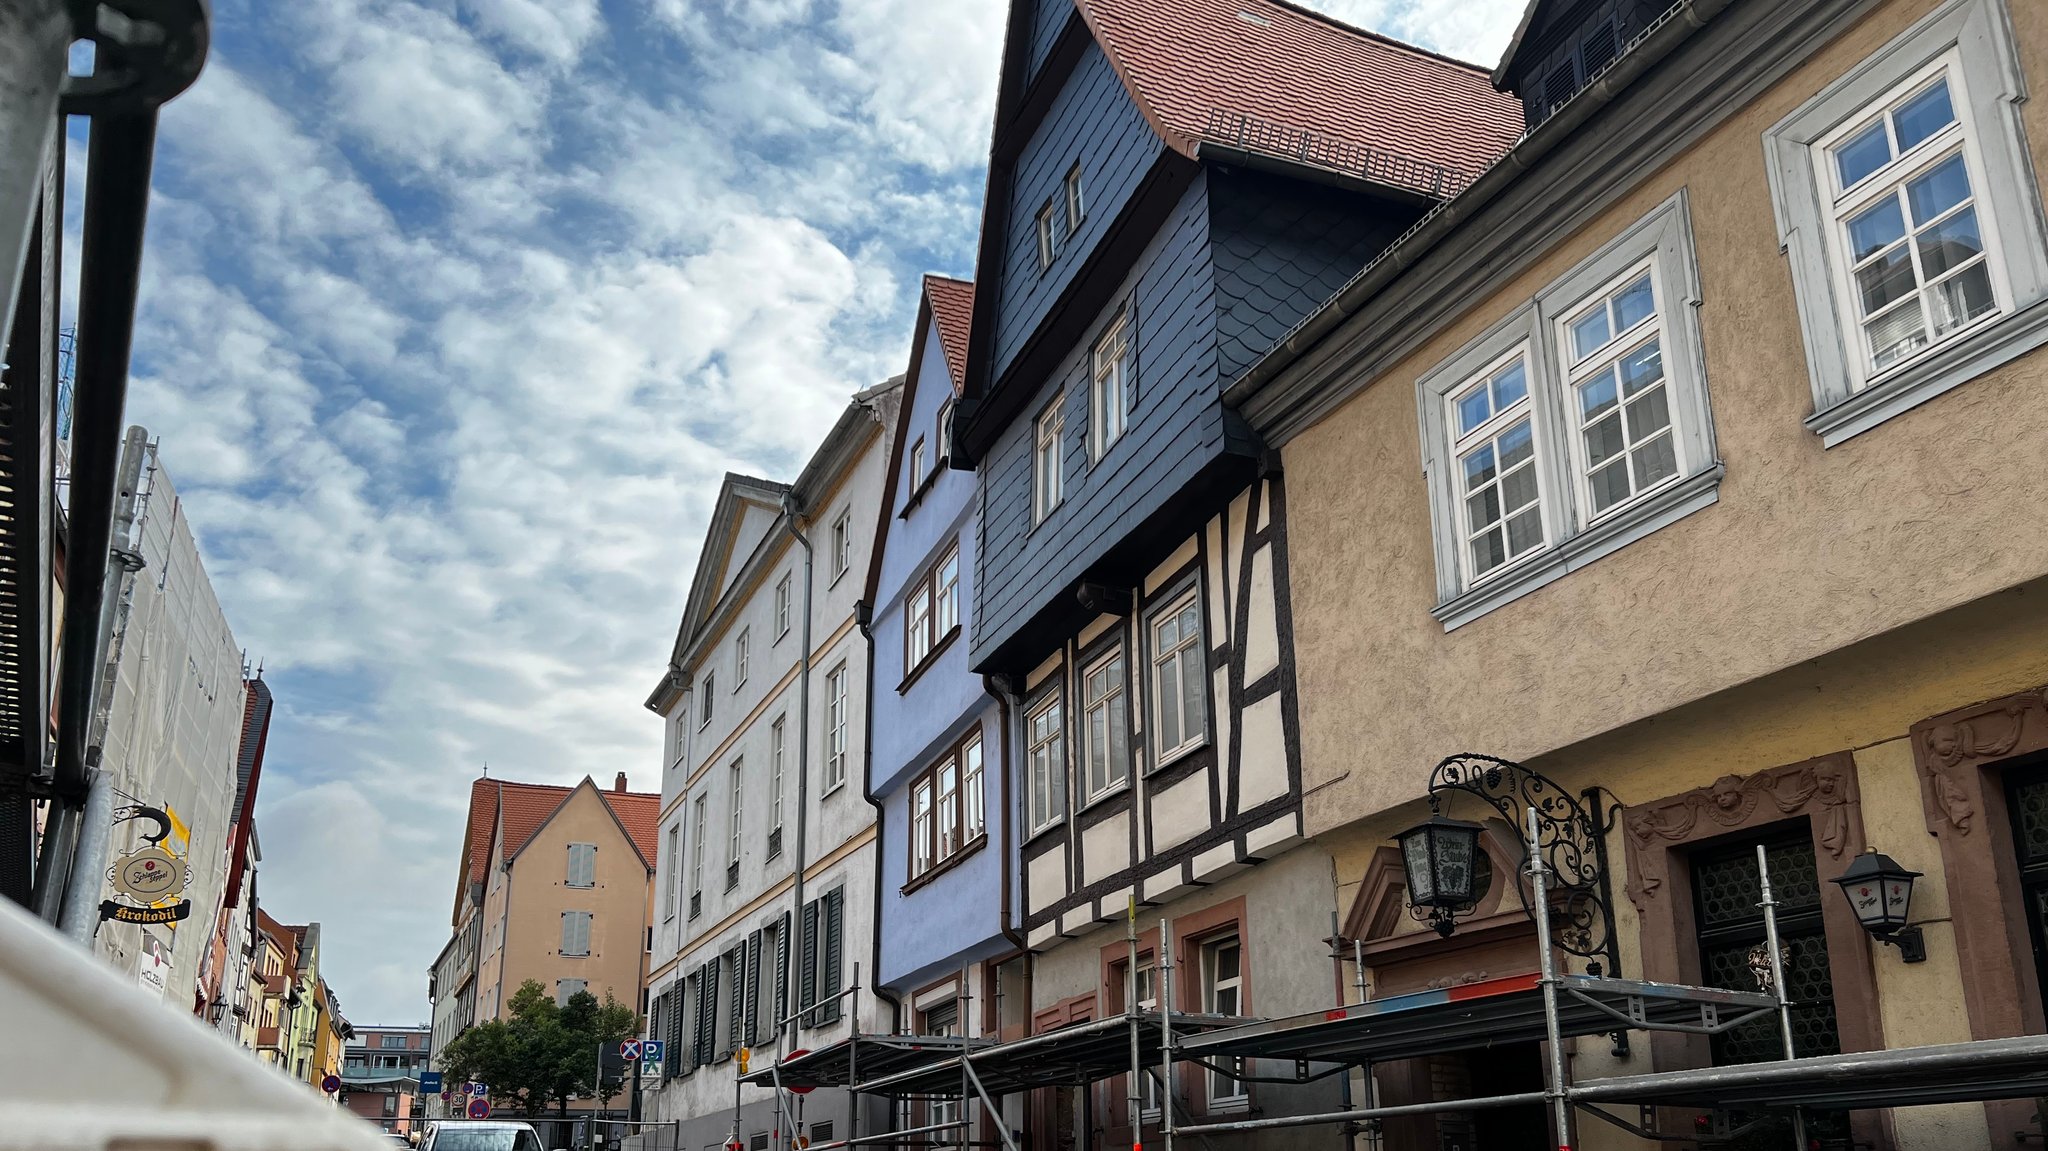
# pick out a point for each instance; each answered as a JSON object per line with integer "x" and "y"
{"x": 1880, "y": 892}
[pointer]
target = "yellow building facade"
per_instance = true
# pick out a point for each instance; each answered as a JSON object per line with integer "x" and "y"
{"x": 1806, "y": 609}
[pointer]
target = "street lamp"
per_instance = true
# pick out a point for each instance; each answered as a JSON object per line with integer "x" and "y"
{"x": 1880, "y": 892}
{"x": 1440, "y": 857}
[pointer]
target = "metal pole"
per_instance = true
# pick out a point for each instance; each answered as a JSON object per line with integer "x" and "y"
{"x": 1337, "y": 963}
{"x": 853, "y": 1061}
{"x": 1135, "y": 1099}
{"x": 35, "y": 39}
{"x": 1770, "y": 906}
{"x": 1002, "y": 1128}
{"x": 1560, "y": 1106}
{"x": 80, "y": 918}
{"x": 597, "y": 1104}
{"x": 799, "y": 856}
{"x": 1166, "y": 966}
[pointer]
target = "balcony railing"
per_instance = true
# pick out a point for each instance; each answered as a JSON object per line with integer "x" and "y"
{"x": 1259, "y": 136}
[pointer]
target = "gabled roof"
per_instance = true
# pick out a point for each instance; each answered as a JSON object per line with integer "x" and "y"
{"x": 952, "y": 305}
{"x": 1517, "y": 42}
{"x": 526, "y": 807}
{"x": 1187, "y": 62}
{"x": 635, "y": 813}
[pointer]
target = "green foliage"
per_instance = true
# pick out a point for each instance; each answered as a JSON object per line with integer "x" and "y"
{"x": 542, "y": 1053}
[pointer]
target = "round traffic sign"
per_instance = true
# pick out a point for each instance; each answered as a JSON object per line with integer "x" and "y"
{"x": 791, "y": 1058}
{"x": 331, "y": 1084}
{"x": 479, "y": 1109}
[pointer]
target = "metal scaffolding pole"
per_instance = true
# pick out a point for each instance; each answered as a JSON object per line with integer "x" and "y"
{"x": 1558, "y": 1091}
{"x": 1770, "y": 906}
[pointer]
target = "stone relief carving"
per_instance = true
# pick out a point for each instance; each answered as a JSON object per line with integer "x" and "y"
{"x": 1443, "y": 981}
{"x": 1945, "y": 747}
{"x": 1823, "y": 789}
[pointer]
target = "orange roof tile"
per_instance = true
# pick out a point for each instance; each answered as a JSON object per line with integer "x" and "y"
{"x": 1187, "y": 60}
{"x": 952, "y": 303}
{"x": 529, "y": 805}
{"x": 640, "y": 814}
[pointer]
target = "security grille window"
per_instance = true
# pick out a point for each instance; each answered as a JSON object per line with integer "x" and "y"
{"x": 778, "y": 743}
{"x": 675, "y": 866}
{"x": 1048, "y": 242}
{"x": 917, "y": 463}
{"x": 699, "y": 823}
{"x": 2028, "y": 802}
{"x": 1048, "y": 765}
{"x": 842, "y": 544}
{"x": 740, "y": 644}
{"x": 1115, "y": 366}
{"x": 1541, "y": 461}
{"x": 782, "y": 607}
{"x": 576, "y": 933}
{"x": 1726, "y": 890}
{"x": 1180, "y": 685}
{"x": 706, "y": 690}
{"x": 945, "y": 807}
{"x": 1223, "y": 994}
{"x": 820, "y": 957}
{"x": 582, "y": 865}
{"x": 734, "y": 816}
{"x": 835, "y": 728}
{"x": 1075, "y": 209}
{"x": 1106, "y": 750}
{"x": 1047, "y": 460}
{"x": 565, "y": 989}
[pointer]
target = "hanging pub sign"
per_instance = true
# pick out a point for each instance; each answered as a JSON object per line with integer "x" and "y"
{"x": 148, "y": 875}
{"x": 126, "y": 913}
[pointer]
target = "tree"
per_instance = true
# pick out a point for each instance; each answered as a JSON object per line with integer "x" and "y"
{"x": 542, "y": 1053}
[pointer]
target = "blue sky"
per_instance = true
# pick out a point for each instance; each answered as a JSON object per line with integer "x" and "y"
{"x": 454, "y": 313}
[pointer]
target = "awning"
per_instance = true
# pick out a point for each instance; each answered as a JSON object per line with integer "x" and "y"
{"x": 1497, "y": 1011}
{"x": 1900, "y": 1077}
{"x": 1070, "y": 1057}
{"x": 866, "y": 1056}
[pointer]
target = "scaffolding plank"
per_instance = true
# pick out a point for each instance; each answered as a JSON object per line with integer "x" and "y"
{"x": 868, "y": 1056}
{"x": 1069, "y": 1057}
{"x": 1485, "y": 1014}
{"x": 1900, "y": 1077}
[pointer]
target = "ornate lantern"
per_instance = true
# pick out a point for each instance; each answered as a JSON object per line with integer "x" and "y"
{"x": 1880, "y": 892}
{"x": 1440, "y": 857}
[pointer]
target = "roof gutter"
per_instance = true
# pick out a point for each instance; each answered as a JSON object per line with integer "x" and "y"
{"x": 1675, "y": 27}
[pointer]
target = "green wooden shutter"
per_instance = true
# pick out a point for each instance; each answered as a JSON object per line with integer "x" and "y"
{"x": 781, "y": 973}
{"x": 751, "y": 1031}
{"x": 807, "y": 964}
{"x": 707, "y": 1013}
{"x": 829, "y": 977}
{"x": 735, "y": 958}
{"x": 672, "y": 1055}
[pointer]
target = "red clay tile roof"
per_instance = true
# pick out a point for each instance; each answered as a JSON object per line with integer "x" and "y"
{"x": 953, "y": 311}
{"x": 528, "y": 805}
{"x": 639, "y": 813}
{"x": 1185, "y": 60}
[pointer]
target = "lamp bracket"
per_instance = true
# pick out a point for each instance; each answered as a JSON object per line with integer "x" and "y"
{"x": 1568, "y": 838}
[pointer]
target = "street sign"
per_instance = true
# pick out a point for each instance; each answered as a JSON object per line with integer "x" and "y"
{"x": 629, "y": 1049}
{"x": 791, "y": 1058}
{"x": 650, "y": 1067}
{"x": 479, "y": 1090}
{"x": 479, "y": 1109}
{"x": 652, "y": 1050}
{"x": 430, "y": 1081}
{"x": 331, "y": 1084}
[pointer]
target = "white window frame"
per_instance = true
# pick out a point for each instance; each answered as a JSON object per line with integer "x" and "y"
{"x": 736, "y": 797}
{"x": 1573, "y": 533}
{"x": 1045, "y": 758}
{"x": 842, "y": 544}
{"x": 699, "y": 826}
{"x": 1975, "y": 41}
{"x": 1076, "y": 209}
{"x": 1114, "y": 704}
{"x": 742, "y": 645}
{"x": 778, "y": 745}
{"x": 946, "y": 594}
{"x": 1046, "y": 238}
{"x": 675, "y": 869}
{"x": 917, "y": 464}
{"x": 943, "y": 433}
{"x": 917, "y": 625}
{"x": 707, "y": 688}
{"x": 1221, "y": 1091}
{"x": 973, "y": 798}
{"x": 1048, "y": 459}
{"x": 835, "y": 729}
{"x": 1195, "y": 734}
{"x": 782, "y": 606}
{"x": 1112, "y": 365}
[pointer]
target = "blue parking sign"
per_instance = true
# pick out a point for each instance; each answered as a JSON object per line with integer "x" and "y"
{"x": 430, "y": 1081}
{"x": 650, "y": 1050}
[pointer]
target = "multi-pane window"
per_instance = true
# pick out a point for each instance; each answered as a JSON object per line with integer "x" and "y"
{"x": 944, "y": 432}
{"x": 1115, "y": 363}
{"x": 778, "y": 744}
{"x": 1047, "y": 460}
{"x": 917, "y": 463}
{"x": 675, "y": 865}
{"x": 835, "y": 727}
{"x": 1106, "y": 742}
{"x": 1223, "y": 994}
{"x": 1917, "y": 263}
{"x": 1047, "y": 763}
{"x": 1614, "y": 361}
{"x": 1147, "y": 999}
{"x": 576, "y": 933}
{"x": 699, "y": 823}
{"x": 932, "y": 610}
{"x": 1179, "y": 683}
{"x": 782, "y": 607}
{"x": 946, "y": 814}
{"x": 734, "y": 814}
{"x": 1075, "y": 208}
{"x": 741, "y": 644}
{"x": 706, "y": 690}
{"x": 842, "y": 544}
{"x": 582, "y": 865}
{"x": 1499, "y": 491}
{"x": 942, "y": 1019}
{"x": 1048, "y": 241}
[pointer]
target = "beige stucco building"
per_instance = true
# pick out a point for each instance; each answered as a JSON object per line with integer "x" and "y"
{"x": 1808, "y": 609}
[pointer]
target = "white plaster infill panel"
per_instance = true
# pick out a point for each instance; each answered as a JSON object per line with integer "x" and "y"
{"x": 1274, "y": 836}
{"x": 1115, "y": 907}
{"x": 1180, "y": 812}
{"x": 1105, "y": 849}
{"x": 1079, "y": 921}
{"x": 1043, "y": 936}
{"x": 1165, "y": 571}
{"x": 1047, "y": 874}
{"x": 1166, "y": 886}
{"x": 1262, "y": 631}
{"x": 1219, "y": 862}
{"x": 1262, "y": 763}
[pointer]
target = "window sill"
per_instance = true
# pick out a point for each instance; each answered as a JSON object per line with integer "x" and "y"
{"x": 931, "y": 657}
{"x": 779, "y": 637}
{"x": 836, "y": 577}
{"x": 1609, "y": 535}
{"x": 832, "y": 790}
{"x": 947, "y": 864}
{"x": 1173, "y": 757}
{"x": 1105, "y": 796}
{"x": 1942, "y": 368}
{"x": 1032, "y": 836}
{"x": 924, "y": 486}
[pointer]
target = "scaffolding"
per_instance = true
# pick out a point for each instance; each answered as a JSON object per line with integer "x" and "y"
{"x": 1549, "y": 1006}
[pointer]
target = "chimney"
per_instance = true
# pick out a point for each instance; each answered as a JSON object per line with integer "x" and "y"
{"x": 619, "y": 784}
